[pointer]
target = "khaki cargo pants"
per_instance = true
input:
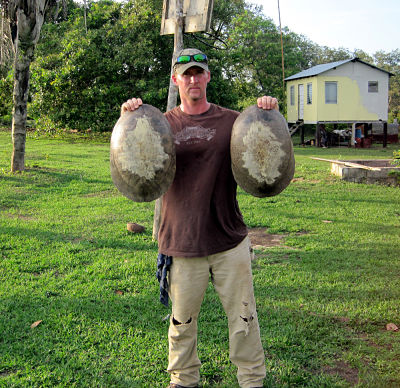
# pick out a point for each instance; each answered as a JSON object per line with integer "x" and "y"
{"x": 232, "y": 279}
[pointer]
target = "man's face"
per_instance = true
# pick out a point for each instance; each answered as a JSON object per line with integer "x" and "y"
{"x": 192, "y": 83}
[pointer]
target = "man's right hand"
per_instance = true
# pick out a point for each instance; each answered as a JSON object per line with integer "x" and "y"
{"x": 131, "y": 105}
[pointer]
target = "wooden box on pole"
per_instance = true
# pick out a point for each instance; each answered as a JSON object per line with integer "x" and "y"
{"x": 196, "y": 13}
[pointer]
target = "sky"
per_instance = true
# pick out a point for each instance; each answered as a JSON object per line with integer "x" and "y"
{"x": 369, "y": 25}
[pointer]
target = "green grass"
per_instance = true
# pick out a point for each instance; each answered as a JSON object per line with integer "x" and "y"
{"x": 324, "y": 297}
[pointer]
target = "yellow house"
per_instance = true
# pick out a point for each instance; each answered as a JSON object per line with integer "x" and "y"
{"x": 347, "y": 91}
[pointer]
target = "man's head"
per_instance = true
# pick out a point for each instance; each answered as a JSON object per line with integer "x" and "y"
{"x": 190, "y": 57}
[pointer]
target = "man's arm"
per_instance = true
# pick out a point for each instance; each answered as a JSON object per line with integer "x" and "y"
{"x": 131, "y": 105}
{"x": 265, "y": 102}
{"x": 268, "y": 102}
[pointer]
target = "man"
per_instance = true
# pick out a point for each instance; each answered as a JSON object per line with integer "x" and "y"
{"x": 203, "y": 231}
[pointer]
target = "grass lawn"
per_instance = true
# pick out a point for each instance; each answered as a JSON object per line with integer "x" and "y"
{"x": 68, "y": 266}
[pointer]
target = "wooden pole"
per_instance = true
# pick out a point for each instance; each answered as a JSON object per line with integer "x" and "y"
{"x": 302, "y": 135}
{"x": 367, "y": 129}
{"x": 178, "y": 46}
{"x": 353, "y": 135}
{"x": 385, "y": 134}
{"x": 172, "y": 97}
{"x": 318, "y": 135}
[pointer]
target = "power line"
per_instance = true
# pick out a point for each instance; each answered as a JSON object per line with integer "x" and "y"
{"x": 283, "y": 61}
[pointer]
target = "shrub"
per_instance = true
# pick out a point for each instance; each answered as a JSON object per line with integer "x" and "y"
{"x": 6, "y": 90}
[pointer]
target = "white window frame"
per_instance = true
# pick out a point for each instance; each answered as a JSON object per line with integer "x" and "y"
{"x": 331, "y": 92}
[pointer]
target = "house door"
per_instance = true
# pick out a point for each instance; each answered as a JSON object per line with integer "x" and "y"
{"x": 301, "y": 102}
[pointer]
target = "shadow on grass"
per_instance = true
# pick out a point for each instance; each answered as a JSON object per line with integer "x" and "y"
{"x": 120, "y": 340}
{"x": 49, "y": 177}
{"x": 12, "y": 200}
{"x": 128, "y": 242}
{"x": 98, "y": 341}
{"x": 302, "y": 345}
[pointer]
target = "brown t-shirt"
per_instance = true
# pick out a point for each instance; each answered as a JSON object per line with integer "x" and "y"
{"x": 200, "y": 213}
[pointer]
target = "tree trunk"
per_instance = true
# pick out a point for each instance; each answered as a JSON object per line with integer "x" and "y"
{"x": 20, "y": 100}
{"x": 28, "y": 16}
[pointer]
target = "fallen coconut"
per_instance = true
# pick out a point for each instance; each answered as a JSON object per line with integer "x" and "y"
{"x": 134, "y": 227}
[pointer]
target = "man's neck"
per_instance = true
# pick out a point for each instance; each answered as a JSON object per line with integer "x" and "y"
{"x": 195, "y": 107}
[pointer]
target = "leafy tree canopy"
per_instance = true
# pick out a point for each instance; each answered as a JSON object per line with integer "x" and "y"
{"x": 89, "y": 61}
{"x": 80, "y": 79}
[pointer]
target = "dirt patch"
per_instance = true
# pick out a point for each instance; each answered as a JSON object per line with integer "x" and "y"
{"x": 36, "y": 167}
{"x": 366, "y": 338}
{"x": 78, "y": 240}
{"x": 6, "y": 373}
{"x": 343, "y": 370}
{"x": 299, "y": 179}
{"x": 22, "y": 217}
{"x": 302, "y": 179}
{"x": 260, "y": 238}
{"x": 342, "y": 319}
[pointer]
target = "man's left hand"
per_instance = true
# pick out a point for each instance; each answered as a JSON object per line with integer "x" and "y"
{"x": 268, "y": 102}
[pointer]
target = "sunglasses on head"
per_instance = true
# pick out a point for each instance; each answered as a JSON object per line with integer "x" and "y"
{"x": 191, "y": 58}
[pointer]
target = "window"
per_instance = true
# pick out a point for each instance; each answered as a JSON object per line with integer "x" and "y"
{"x": 372, "y": 86}
{"x": 292, "y": 95}
{"x": 331, "y": 92}
{"x": 309, "y": 93}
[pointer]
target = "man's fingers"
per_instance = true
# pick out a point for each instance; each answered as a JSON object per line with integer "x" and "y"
{"x": 268, "y": 102}
{"x": 131, "y": 105}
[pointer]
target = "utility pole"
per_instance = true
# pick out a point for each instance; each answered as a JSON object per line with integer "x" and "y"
{"x": 178, "y": 46}
{"x": 187, "y": 16}
{"x": 172, "y": 96}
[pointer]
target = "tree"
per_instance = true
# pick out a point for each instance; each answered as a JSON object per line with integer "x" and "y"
{"x": 215, "y": 45}
{"x": 255, "y": 57}
{"x": 80, "y": 79}
{"x": 254, "y": 61}
{"x": 25, "y": 19}
{"x": 391, "y": 62}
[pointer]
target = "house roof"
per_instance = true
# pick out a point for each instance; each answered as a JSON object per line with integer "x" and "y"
{"x": 315, "y": 70}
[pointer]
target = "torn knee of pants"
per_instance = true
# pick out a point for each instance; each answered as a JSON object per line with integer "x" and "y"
{"x": 177, "y": 323}
{"x": 247, "y": 316}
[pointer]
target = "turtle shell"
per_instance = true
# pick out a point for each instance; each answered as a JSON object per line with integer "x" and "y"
{"x": 142, "y": 154}
{"x": 262, "y": 152}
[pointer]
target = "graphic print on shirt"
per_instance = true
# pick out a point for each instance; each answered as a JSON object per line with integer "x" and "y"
{"x": 193, "y": 135}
